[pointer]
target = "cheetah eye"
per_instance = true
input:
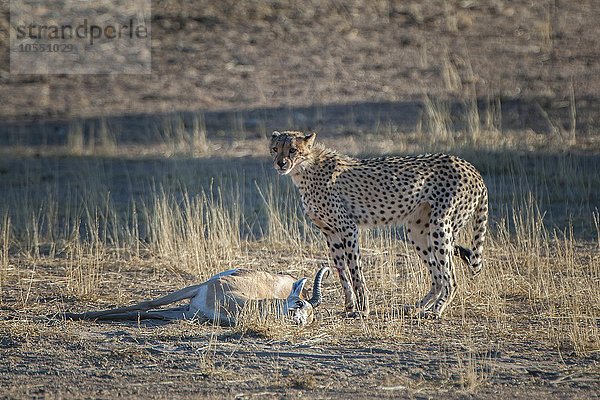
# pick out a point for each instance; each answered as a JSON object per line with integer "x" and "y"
{"x": 292, "y": 150}
{"x": 274, "y": 149}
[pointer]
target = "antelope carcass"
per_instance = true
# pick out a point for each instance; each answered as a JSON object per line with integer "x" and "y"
{"x": 222, "y": 298}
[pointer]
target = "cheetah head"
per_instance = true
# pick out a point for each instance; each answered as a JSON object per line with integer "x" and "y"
{"x": 290, "y": 149}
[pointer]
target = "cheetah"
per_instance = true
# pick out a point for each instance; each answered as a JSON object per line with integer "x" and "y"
{"x": 433, "y": 195}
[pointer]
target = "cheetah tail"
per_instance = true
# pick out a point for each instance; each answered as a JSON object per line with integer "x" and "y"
{"x": 479, "y": 230}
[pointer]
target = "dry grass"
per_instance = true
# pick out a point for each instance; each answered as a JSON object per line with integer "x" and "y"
{"x": 78, "y": 214}
{"x": 466, "y": 119}
{"x": 82, "y": 232}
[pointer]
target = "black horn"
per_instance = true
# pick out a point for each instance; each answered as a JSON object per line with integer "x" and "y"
{"x": 317, "y": 296}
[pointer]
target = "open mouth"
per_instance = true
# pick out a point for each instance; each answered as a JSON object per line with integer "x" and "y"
{"x": 283, "y": 171}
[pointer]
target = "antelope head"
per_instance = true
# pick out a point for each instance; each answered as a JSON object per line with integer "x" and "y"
{"x": 301, "y": 311}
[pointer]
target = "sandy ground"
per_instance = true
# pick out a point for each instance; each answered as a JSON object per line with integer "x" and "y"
{"x": 246, "y": 55}
{"x": 458, "y": 357}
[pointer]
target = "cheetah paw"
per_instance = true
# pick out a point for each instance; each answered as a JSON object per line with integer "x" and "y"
{"x": 428, "y": 314}
{"x": 357, "y": 314}
{"x": 413, "y": 311}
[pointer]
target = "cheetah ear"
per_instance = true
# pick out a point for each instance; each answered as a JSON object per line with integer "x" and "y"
{"x": 275, "y": 134}
{"x": 309, "y": 138}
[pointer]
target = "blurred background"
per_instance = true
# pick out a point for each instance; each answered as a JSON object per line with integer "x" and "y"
{"x": 334, "y": 66}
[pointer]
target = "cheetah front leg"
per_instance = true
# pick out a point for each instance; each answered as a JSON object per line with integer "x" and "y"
{"x": 442, "y": 238}
{"x": 353, "y": 261}
{"x": 337, "y": 250}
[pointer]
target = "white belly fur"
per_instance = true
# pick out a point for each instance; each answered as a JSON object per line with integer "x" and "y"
{"x": 200, "y": 304}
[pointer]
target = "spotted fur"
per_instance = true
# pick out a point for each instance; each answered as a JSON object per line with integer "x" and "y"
{"x": 433, "y": 195}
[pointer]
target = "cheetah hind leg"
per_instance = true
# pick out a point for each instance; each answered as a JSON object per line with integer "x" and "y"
{"x": 466, "y": 255}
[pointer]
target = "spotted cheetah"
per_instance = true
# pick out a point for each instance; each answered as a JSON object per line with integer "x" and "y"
{"x": 433, "y": 195}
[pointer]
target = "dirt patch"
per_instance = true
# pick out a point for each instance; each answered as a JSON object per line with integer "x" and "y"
{"x": 460, "y": 356}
